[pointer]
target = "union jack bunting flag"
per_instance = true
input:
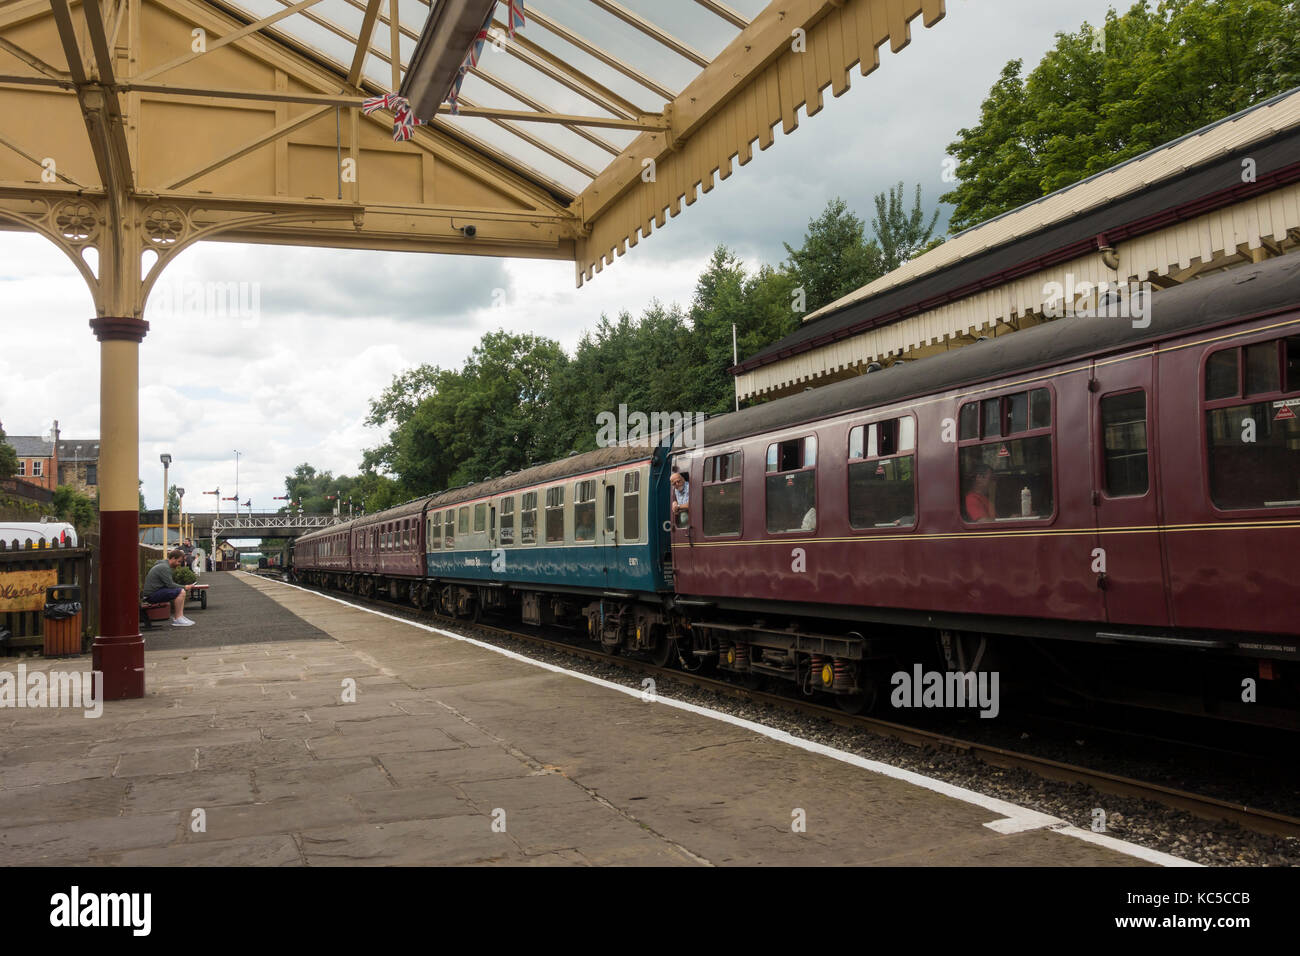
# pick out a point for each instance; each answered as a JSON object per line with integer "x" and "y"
{"x": 484, "y": 32}
{"x": 516, "y": 21}
{"x": 404, "y": 121}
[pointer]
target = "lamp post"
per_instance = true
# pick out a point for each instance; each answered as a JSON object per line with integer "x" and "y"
{"x": 180, "y": 498}
{"x": 166, "y": 462}
{"x": 217, "y": 492}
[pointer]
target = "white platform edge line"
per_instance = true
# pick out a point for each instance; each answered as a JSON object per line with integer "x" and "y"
{"x": 1123, "y": 846}
{"x": 1020, "y": 818}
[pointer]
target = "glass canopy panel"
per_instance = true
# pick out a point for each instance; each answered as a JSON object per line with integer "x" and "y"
{"x": 574, "y": 57}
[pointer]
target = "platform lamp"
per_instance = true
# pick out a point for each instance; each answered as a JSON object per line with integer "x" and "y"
{"x": 166, "y": 463}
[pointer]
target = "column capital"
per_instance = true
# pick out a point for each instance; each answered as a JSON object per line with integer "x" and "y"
{"x": 119, "y": 329}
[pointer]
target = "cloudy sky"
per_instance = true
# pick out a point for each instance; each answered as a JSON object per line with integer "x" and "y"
{"x": 333, "y": 327}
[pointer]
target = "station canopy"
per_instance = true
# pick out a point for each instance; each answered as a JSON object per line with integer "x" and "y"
{"x": 575, "y": 128}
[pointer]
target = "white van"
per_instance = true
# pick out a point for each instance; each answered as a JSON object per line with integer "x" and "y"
{"x": 43, "y": 534}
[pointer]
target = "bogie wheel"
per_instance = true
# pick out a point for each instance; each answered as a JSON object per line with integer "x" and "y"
{"x": 665, "y": 651}
{"x": 865, "y": 700}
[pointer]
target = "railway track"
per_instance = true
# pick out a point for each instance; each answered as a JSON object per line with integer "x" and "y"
{"x": 1200, "y": 805}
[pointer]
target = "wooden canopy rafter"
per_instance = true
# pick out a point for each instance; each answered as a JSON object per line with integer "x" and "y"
{"x": 269, "y": 117}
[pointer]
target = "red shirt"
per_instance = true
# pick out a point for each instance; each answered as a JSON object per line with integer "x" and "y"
{"x": 978, "y": 507}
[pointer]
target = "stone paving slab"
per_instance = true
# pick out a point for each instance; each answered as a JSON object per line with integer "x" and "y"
{"x": 359, "y": 740}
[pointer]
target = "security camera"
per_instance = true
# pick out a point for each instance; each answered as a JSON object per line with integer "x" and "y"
{"x": 469, "y": 232}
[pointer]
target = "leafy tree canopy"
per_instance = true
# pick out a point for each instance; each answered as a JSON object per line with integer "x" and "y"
{"x": 1106, "y": 94}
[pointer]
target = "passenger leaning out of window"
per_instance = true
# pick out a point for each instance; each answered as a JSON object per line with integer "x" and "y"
{"x": 979, "y": 506}
{"x": 681, "y": 498}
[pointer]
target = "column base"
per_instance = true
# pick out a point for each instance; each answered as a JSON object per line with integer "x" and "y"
{"x": 121, "y": 662}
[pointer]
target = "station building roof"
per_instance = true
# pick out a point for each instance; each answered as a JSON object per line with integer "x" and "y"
{"x": 1222, "y": 196}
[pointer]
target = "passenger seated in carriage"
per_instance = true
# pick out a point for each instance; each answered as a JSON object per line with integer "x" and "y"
{"x": 978, "y": 503}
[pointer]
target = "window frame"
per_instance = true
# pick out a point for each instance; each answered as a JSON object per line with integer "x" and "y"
{"x": 506, "y": 510}
{"x": 523, "y": 510}
{"x": 849, "y": 462}
{"x": 561, "y": 507}
{"x": 1103, "y": 483}
{"x": 737, "y": 478}
{"x": 580, "y": 488}
{"x": 620, "y": 507}
{"x": 767, "y": 475}
{"x": 1237, "y": 400}
{"x": 1048, "y": 431}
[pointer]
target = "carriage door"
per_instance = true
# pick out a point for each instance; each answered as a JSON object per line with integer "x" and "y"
{"x": 1129, "y": 545}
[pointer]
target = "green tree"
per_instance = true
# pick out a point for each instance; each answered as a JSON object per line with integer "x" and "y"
{"x": 835, "y": 258}
{"x": 71, "y": 505}
{"x": 1104, "y": 95}
{"x": 452, "y": 427}
{"x": 900, "y": 235}
{"x": 8, "y": 457}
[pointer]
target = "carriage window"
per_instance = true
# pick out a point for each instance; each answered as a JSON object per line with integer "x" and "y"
{"x": 1005, "y": 478}
{"x": 970, "y": 421}
{"x": 722, "y": 494}
{"x": 480, "y": 518}
{"x": 1254, "y": 447}
{"x": 632, "y": 506}
{"x": 791, "y": 503}
{"x": 1221, "y": 375}
{"x": 1124, "y": 433}
{"x": 406, "y": 536}
{"x": 435, "y": 533}
{"x": 584, "y": 510}
{"x": 462, "y": 520}
{"x": 882, "y": 474}
{"x": 555, "y": 514}
{"x": 528, "y": 518}
{"x": 991, "y": 417}
{"x": 1262, "y": 369}
{"x": 449, "y": 528}
{"x": 506, "y": 509}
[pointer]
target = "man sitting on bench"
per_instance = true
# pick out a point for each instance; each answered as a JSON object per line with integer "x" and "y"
{"x": 161, "y": 588}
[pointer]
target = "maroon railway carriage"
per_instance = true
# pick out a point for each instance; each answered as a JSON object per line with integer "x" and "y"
{"x": 326, "y": 552}
{"x": 1117, "y": 504}
{"x": 386, "y": 545}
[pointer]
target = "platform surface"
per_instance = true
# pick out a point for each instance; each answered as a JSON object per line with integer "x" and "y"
{"x": 244, "y": 752}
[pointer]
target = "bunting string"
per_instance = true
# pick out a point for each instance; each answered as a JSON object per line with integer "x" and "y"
{"x": 404, "y": 119}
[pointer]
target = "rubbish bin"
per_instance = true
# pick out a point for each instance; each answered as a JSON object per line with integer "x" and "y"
{"x": 61, "y": 626}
